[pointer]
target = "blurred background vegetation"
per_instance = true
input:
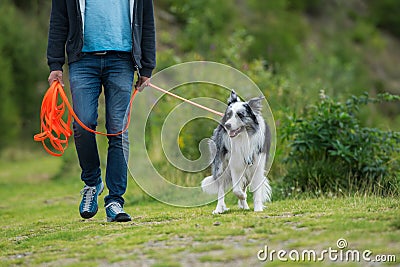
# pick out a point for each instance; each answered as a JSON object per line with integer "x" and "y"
{"x": 292, "y": 49}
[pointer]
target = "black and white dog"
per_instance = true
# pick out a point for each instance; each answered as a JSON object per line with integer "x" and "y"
{"x": 240, "y": 146}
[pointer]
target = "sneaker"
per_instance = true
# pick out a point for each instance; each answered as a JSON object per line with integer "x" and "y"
{"x": 88, "y": 207}
{"x": 115, "y": 213}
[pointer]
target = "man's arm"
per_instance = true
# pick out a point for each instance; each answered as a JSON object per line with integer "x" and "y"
{"x": 58, "y": 33}
{"x": 148, "y": 44}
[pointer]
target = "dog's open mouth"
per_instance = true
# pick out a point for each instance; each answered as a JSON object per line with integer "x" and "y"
{"x": 233, "y": 133}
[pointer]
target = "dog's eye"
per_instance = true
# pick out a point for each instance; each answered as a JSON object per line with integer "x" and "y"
{"x": 240, "y": 115}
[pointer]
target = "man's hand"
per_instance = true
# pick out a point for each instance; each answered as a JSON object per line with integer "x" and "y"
{"x": 142, "y": 82}
{"x": 56, "y": 75}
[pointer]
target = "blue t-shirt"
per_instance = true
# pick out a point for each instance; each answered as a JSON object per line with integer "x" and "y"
{"x": 107, "y": 26}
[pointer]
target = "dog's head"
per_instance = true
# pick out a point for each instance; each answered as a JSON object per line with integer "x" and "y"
{"x": 240, "y": 116}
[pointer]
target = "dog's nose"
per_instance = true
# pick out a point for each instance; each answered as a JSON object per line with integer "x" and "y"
{"x": 228, "y": 126}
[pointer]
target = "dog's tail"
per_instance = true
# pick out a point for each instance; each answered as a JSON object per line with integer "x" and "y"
{"x": 264, "y": 186}
{"x": 209, "y": 185}
{"x": 266, "y": 190}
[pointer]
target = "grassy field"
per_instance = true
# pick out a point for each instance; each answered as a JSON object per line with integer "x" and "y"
{"x": 40, "y": 226}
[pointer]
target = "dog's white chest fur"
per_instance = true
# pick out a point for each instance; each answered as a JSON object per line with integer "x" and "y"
{"x": 244, "y": 148}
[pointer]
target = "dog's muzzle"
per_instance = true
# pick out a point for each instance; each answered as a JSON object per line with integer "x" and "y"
{"x": 233, "y": 133}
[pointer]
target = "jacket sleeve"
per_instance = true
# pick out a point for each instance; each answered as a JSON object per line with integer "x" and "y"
{"x": 58, "y": 33}
{"x": 148, "y": 43}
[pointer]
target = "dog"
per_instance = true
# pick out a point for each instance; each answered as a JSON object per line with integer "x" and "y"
{"x": 240, "y": 146}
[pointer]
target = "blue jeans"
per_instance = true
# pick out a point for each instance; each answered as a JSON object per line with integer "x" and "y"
{"x": 115, "y": 73}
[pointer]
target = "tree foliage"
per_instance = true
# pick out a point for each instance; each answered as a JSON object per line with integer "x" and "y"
{"x": 22, "y": 63}
{"x": 384, "y": 13}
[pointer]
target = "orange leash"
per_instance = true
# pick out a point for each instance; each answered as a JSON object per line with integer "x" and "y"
{"x": 54, "y": 128}
{"x": 185, "y": 100}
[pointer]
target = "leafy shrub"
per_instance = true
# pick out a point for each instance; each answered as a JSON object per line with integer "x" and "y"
{"x": 385, "y": 14}
{"x": 330, "y": 151}
{"x": 278, "y": 32}
{"x": 204, "y": 22}
{"x": 22, "y": 52}
{"x": 8, "y": 117}
{"x": 312, "y": 7}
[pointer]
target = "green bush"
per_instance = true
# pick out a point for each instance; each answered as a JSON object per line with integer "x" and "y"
{"x": 385, "y": 14}
{"x": 330, "y": 151}
{"x": 277, "y": 33}
{"x": 8, "y": 112}
{"x": 312, "y": 7}
{"x": 22, "y": 52}
{"x": 203, "y": 23}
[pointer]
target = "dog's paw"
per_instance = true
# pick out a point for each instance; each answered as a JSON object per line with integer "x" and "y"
{"x": 220, "y": 210}
{"x": 243, "y": 204}
{"x": 258, "y": 206}
{"x": 240, "y": 194}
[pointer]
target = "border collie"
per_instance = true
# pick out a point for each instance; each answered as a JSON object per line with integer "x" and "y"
{"x": 240, "y": 147}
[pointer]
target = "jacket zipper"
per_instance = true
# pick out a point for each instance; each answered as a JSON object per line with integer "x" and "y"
{"x": 133, "y": 22}
{"x": 78, "y": 10}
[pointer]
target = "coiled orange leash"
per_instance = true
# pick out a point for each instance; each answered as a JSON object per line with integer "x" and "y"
{"x": 54, "y": 128}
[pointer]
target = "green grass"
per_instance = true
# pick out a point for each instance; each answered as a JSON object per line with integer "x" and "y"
{"x": 40, "y": 225}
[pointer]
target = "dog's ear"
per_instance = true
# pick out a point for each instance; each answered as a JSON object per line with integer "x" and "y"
{"x": 256, "y": 104}
{"x": 233, "y": 98}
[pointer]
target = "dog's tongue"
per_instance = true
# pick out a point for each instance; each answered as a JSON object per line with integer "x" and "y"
{"x": 234, "y": 133}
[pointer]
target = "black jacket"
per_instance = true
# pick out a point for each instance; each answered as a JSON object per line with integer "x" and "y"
{"x": 65, "y": 33}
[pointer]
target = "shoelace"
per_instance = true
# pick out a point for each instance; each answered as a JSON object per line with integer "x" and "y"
{"x": 115, "y": 207}
{"x": 88, "y": 193}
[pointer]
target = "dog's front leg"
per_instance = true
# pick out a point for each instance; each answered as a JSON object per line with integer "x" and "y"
{"x": 257, "y": 185}
{"x": 258, "y": 204}
{"x": 243, "y": 204}
{"x": 221, "y": 207}
{"x": 238, "y": 184}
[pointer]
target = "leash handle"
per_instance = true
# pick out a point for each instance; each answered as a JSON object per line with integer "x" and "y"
{"x": 185, "y": 100}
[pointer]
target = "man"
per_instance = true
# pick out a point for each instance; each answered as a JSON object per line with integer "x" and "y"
{"x": 106, "y": 42}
